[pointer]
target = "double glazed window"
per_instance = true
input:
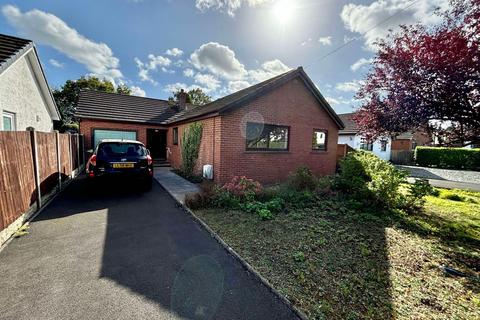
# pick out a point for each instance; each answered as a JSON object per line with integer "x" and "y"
{"x": 266, "y": 137}
{"x": 319, "y": 140}
{"x": 383, "y": 145}
{"x": 8, "y": 121}
{"x": 366, "y": 145}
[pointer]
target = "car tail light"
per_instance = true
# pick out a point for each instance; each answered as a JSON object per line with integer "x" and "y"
{"x": 93, "y": 160}
{"x": 149, "y": 159}
{"x": 91, "y": 174}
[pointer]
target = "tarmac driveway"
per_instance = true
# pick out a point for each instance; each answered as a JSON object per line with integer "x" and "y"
{"x": 114, "y": 253}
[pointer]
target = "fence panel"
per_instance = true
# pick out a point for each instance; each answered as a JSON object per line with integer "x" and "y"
{"x": 404, "y": 157}
{"x": 65, "y": 150}
{"x": 47, "y": 161}
{"x": 17, "y": 180}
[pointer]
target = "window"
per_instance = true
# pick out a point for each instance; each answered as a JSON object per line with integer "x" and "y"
{"x": 383, "y": 145}
{"x": 118, "y": 149}
{"x": 261, "y": 136}
{"x": 8, "y": 120}
{"x": 319, "y": 140}
{"x": 175, "y": 135}
{"x": 366, "y": 145}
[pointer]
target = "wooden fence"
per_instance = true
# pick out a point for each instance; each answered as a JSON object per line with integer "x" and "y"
{"x": 404, "y": 157}
{"x": 32, "y": 166}
{"x": 342, "y": 151}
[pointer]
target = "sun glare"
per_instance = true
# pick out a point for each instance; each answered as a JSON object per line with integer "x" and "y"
{"x": 282, "y": 11}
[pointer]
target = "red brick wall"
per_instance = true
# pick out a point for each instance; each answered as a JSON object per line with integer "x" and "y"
{"x": 292, "y": 105}
{"x": 87, "y": 126}
{"x": 209, "y": 147}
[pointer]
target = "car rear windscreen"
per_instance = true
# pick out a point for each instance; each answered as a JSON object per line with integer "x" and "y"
{"x": 119, "y": 149}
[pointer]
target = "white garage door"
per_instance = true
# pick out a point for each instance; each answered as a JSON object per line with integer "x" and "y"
{"x": 99, "y": 134}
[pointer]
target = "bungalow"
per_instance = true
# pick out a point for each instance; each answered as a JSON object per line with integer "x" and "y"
{"x": 25, "y": 97}
{"x": 385, "y": 148}
{"x": 263, "y": 132}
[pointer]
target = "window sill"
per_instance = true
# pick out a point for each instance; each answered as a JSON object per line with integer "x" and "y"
{"x": 266, "y": 152}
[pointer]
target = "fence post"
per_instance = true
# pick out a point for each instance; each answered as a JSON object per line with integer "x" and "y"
{"x": 78, "y": 151}
{"x": 70, "y": 156}
{"x": 59, "y": 164}
{"x": 36, "y": 171}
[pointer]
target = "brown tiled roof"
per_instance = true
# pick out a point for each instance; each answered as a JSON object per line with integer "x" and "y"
{"x": 11, "y": 48}
{"x": 241, "y": 97}
{"x": 350, "y": 125}
{"x": 119, "y": 107}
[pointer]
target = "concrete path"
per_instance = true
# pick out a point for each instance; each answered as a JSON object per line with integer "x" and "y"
{"x": 177, "y": 186}
{"x": 112, "y": 252}
{"x": 443, "y": 174}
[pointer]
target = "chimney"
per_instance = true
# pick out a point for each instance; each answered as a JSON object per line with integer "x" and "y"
{"x": 182, "y": 99}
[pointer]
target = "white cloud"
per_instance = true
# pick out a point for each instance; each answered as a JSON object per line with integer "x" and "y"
{"x": 137, "y": 91}
{"x": 48, "y": 29}
{"x": 208, "y": 82}
{"x": 174, "y": 52}
{"x": 326, "y": 41}
{"x": 339, "y": 100}
{"x": 268, "y": 70}
{"x": 234, "y": 86}
{"x": 349, "y": 86}
{"x": 304, "y": 43}
{"x": 154, "y": 63}
{"x": 56, "y": 63}
{"x": 228, "y": 6}
{"x": 360, "y": 18}
{"x": 219, "y": 60}
{"x": 360, "y": 63}
{"x": 173, "y": 87}
{"x": 188, "y": 72}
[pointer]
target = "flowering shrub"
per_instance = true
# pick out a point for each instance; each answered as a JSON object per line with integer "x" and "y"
{"x": 243, "y": 188}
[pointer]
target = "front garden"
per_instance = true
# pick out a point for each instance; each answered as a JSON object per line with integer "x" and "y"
{"x": 361, "y": 245}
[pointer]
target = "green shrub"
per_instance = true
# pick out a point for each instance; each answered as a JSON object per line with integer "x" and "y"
{"x": 224, "y": 199}
{"x": 451, "y": 195}
{"x": 302, "y": 179}
{"x": 265, "y": 214}
{"x": 368, "y": 178}
{"x": 298, "y": 256}
{"x": 296, "y": 199}
{"x": 273, "y": 206}
{"x": 192, "y": 137}
{"x": 449, "y": 158}
{"x": 419, "y": 190}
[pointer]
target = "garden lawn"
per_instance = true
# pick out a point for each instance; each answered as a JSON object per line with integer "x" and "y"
{"x": 336, "y": 262}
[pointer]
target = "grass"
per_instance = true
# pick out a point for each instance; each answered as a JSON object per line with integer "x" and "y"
{"x": 336, "y": 262}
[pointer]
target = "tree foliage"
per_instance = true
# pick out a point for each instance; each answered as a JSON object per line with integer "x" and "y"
{"x": 195, "y": 96}
{"x": 67, "y": 95}
{"x": 427, "y": 78}
{"x": 192, "y": 137}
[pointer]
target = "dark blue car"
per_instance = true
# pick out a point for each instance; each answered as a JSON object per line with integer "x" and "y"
{"x": 122, "y": 159}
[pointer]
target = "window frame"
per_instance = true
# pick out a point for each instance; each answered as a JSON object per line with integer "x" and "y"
{"x": 12, "y": 116}
{"x": 250, "y": 149}
{"x": 175, "y": 136}
{"x": 367, "y": 143}
{"x": 383, "y": 145}
{"x": 315, "y": 130}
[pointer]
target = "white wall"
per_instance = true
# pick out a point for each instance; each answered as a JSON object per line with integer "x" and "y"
{"x": 20, "y": 94}
{"x": 354, "y": 141}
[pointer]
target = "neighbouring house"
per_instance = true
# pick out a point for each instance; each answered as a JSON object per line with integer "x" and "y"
{"x": 262, "y": 132}
{"x": 25, "y": 97}
{"x": 385, "y": 148}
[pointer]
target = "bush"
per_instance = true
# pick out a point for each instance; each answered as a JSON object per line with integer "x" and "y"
{"x": 419, "y": 190}
{"x": 243, "y": 188}
{"x": 451, "y": 195}
{"x": 274, "y": 206}
{"x": 366, "y": 177}
{"x": 449, "y": 158}
{"x": 265, "y": 214}
{"x": 203, "y": 198}
{"x": 302, "y": 179}
{"x": 224, "y": 199}
{"x": 192, "y": 137}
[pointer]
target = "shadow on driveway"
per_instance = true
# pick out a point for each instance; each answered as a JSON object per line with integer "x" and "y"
{"x": 111, "y": 252}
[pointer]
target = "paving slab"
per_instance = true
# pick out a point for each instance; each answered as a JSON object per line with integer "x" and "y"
{"x": 177, "y": 186}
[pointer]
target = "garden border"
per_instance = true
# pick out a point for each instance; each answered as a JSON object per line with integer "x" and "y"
{"x": 231, "y": 251}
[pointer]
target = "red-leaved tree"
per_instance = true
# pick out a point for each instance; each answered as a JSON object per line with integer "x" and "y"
{"x": 427, "y": 78}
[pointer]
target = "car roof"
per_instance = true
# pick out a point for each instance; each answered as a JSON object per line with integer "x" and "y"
{"x": 119, "y": 141}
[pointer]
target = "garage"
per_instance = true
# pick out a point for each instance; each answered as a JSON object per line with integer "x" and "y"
{"x": 101, "y": 134}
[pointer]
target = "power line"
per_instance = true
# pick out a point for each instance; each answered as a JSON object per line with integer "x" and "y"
{"x": 358, "y": 38}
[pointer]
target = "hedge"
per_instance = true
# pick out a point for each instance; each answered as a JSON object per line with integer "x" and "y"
{"x": 448, "y": 158}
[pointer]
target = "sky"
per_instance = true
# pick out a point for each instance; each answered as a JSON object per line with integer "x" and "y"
{"x": 158, "y": 46}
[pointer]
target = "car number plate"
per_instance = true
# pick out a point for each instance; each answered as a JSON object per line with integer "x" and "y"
{"x": 122, "y": 165}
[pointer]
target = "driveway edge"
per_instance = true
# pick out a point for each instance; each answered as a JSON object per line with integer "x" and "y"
{"x": 231, "y": 251}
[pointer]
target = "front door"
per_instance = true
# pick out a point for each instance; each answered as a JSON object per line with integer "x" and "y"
{"x": 157, "y": 143}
